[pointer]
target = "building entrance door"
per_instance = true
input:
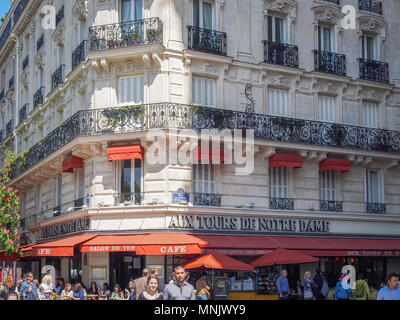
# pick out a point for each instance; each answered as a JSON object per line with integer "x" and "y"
{"x": 124, "y": 267}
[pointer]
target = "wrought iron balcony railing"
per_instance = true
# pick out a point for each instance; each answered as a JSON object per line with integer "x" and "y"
{"x": 40, "y": 42}
{"x": 171, "y": 115}
{"x": 377, "y": 208}
{"x": 330, "y": 62}
{"x": 25, "y": 63}
{"x": 9, "y": 128}
{"x": 60, "y": 15}
{"x": 281, "y": 53}
{"x": 374, "y": 70}
{"x": 58, "y": 77}
{"x": 23, "y": 113}
{"x": 135, "y": 198}
{"x": 206, "y": 40}
{"x": 38, "y": 97}
{"x": 207, "y": 199}
{"x": 331, "y": 206}
{"x": 79, "y": 54}
{"x": 11, "y": 83}
{"x": 125, "y": 34}
{"x": 370, "y": 6}
{"x": 281, "y": 204}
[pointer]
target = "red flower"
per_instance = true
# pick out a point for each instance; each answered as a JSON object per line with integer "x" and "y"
{"x": 6, "y": 232}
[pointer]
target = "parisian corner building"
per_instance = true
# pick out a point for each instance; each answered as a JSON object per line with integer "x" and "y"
{"x": 151, "y": 132}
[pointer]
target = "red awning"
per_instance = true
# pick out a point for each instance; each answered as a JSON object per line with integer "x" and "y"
{"x": 286, "y": 160}
{"x": 210, "y": 154}
{"x": 331, "y": 164}
{"x": 135, "y": 151}
{"x": 72, "y": 163}
{"x": 314, "y": 246}
{"x": 283, "y": 256}
{"x": 26, "y": 251}
{"x": 146, "y": 244}
{"x": 60, "y": 248}
{"x": 216, "y": 260}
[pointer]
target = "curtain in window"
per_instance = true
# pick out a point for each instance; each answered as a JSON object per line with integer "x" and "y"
{"x": 277, "y": 102}
{"x": 370, "y": 114}
{"x": 196, "y": 13}
{"x": 138, "y": 9}
{"x": 327, "y": 185}
{"x": 279, "y": 182}
{"x": 326, "y": 109}
{"x": 207, "y": 15}
{"x": 372, "y": 187}
{"x": 204, "y": 178}
{"x": 126, "y": 10}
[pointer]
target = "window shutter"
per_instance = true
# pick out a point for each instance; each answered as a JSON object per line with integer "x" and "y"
{"x": 277, "y": 99}
{"x": 278, "y": 182}
{"x": 131, "y": 90}
{"x": 326, "y": 109}
{"x": 327, "y": 185}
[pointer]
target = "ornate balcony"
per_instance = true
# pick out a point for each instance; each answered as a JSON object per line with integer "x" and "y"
{"x": 171, "y": 115}
{"x": 206, "y": 40}
{"x": 374, "y": 70}
{"x": 38, "y": 97}
{"x": 25, "y": 63}
{"x": 22, "y": 113}
{"x": 60, "y": 15}
{"x": 40, "y": 42}
{"x": 131, "y": 198}
{"x": 370, "y": 6}
{"x": 281, "y": 53}
{"x": 126, "y": 34}
{"x": 11, "y": 83}
{"x": 79, "y": 54}
{"x": 281, "y": 204}
{"x": 9, "y": 128}
{"x": 58, "y": 77}
{"x": 331, "y": 206}
{"x": 377, "y": 208}
{"x": 207, "y": 199}
{"x": 330, "y": 62}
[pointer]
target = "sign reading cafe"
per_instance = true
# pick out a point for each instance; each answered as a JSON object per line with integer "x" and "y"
{"x": 66, "y": 228}
{"x": 249, "y": 224}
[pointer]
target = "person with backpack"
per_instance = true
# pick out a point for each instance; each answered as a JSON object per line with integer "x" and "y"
{"x": 343, "y": 290}
{"x": 361, "y": 291}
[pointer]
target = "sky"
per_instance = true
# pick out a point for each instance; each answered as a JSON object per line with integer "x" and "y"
{"x": 4, "y": 7}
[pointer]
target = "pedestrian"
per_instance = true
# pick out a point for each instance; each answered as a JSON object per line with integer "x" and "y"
{"x": 392, "y": 290}
{"x": 78, "y": 292}
{"x": 29, "y": 289}
{"x": 60, "y": 285}
{"x": 319, "y": 282}
{"x": 282, "y": 284}
{"x": 46, "y": 288}
{"x": 104, "y": 291}
{"x": 202, "y": 288}
{"x": 154, "y": 271}
{"x": 298, "y": 292}
{"x": 152, "y": 293}
{"x": 361, "y": 290}
{"x": 343, "y": 290}
{"x": 67, "y": 293}
{"x": 309, "y": 286}
{"x": 180, "y": 289}
{"x": 140, "y": 284}
{"x": 18, "y": 287}
{"x": 130, "y": 293}
{"x": 117, "y": 293}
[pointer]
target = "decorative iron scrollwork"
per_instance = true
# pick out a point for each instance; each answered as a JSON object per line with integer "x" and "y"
{"x": 250, "y": 108}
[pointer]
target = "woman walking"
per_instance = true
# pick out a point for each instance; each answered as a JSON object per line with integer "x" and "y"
{"x": 151, "y": 293}
{"x": 343, "y": 290}
{"x": 308, "y": 286}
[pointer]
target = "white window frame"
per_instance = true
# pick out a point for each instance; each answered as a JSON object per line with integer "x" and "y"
{"x": 118, "y": 173}
{"x": 286, "y": 28}
{"x": 375, "y": 46}
{"x": 201, "y": 18}
{"x": 133, "y": 18}
{"x": 202, "y": 83}
{"x": 272, "y": 110}
{"x": 279, "y": 182}
{"x": 380, "y": 187}
{"x": 207, "y": 183}
{"x": 81, "y": 31}
{"x": 124, "y": 102}
{"x": 367, "y": 120}
{"x": 79, "y": 183}
{"x": 327, "y": 186}
{"x": 323, "y": 115}
{"x": 60, "y": 55}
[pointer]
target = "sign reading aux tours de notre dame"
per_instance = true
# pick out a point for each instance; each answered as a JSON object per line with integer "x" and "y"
{"x": 66, "y": 228}
{"x": 248, "y": 224}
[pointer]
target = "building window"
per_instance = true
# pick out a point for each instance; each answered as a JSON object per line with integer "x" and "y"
{"x": 10, "y": 112}
{"x": 131, "y": 10}
{"x": 39, "y": 207}
{"x": 58, "y": 190}
{"x": 279, "y": 182}
{"x": 203, "y": 14}
{"x": 327, "y": 185}
{"x": 204, "y": 178}
{"x": 129, "y": 180}
{"x": 131, "y": 90}
{"x": 370, "y": 47}
{"x": 203, "y": 91}
{"x": 277, "y": 102}
{"x": 277, "y": 29}
{"x": 374, "y": 186}
{"x": 326, "y": 109}
{"x": 80, "y": 183}
{"x": 60, "y": 55}
{"x": 370, "y": 114}
{"x": 326, "y": 39}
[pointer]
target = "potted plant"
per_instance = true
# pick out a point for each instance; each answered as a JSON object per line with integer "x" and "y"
{"x": 152, "y": 35}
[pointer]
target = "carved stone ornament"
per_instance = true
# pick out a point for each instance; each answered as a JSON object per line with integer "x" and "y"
{"x": 327, "y": 88}
{"x": 204, "y": 69}
{"x": 279, "y": 82}
{"x": 129, "y": 66}
{"x": 32, "y": 30}
{"x": 287, "y": 7}
{"x": 58, "y": 34}
{"x": 80, "y": 9}
{"x": 371, "y": 23}
{"x": 25, "y": 79}
{"x": 327, "y": 12}
{"x": 39, "y": 59}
